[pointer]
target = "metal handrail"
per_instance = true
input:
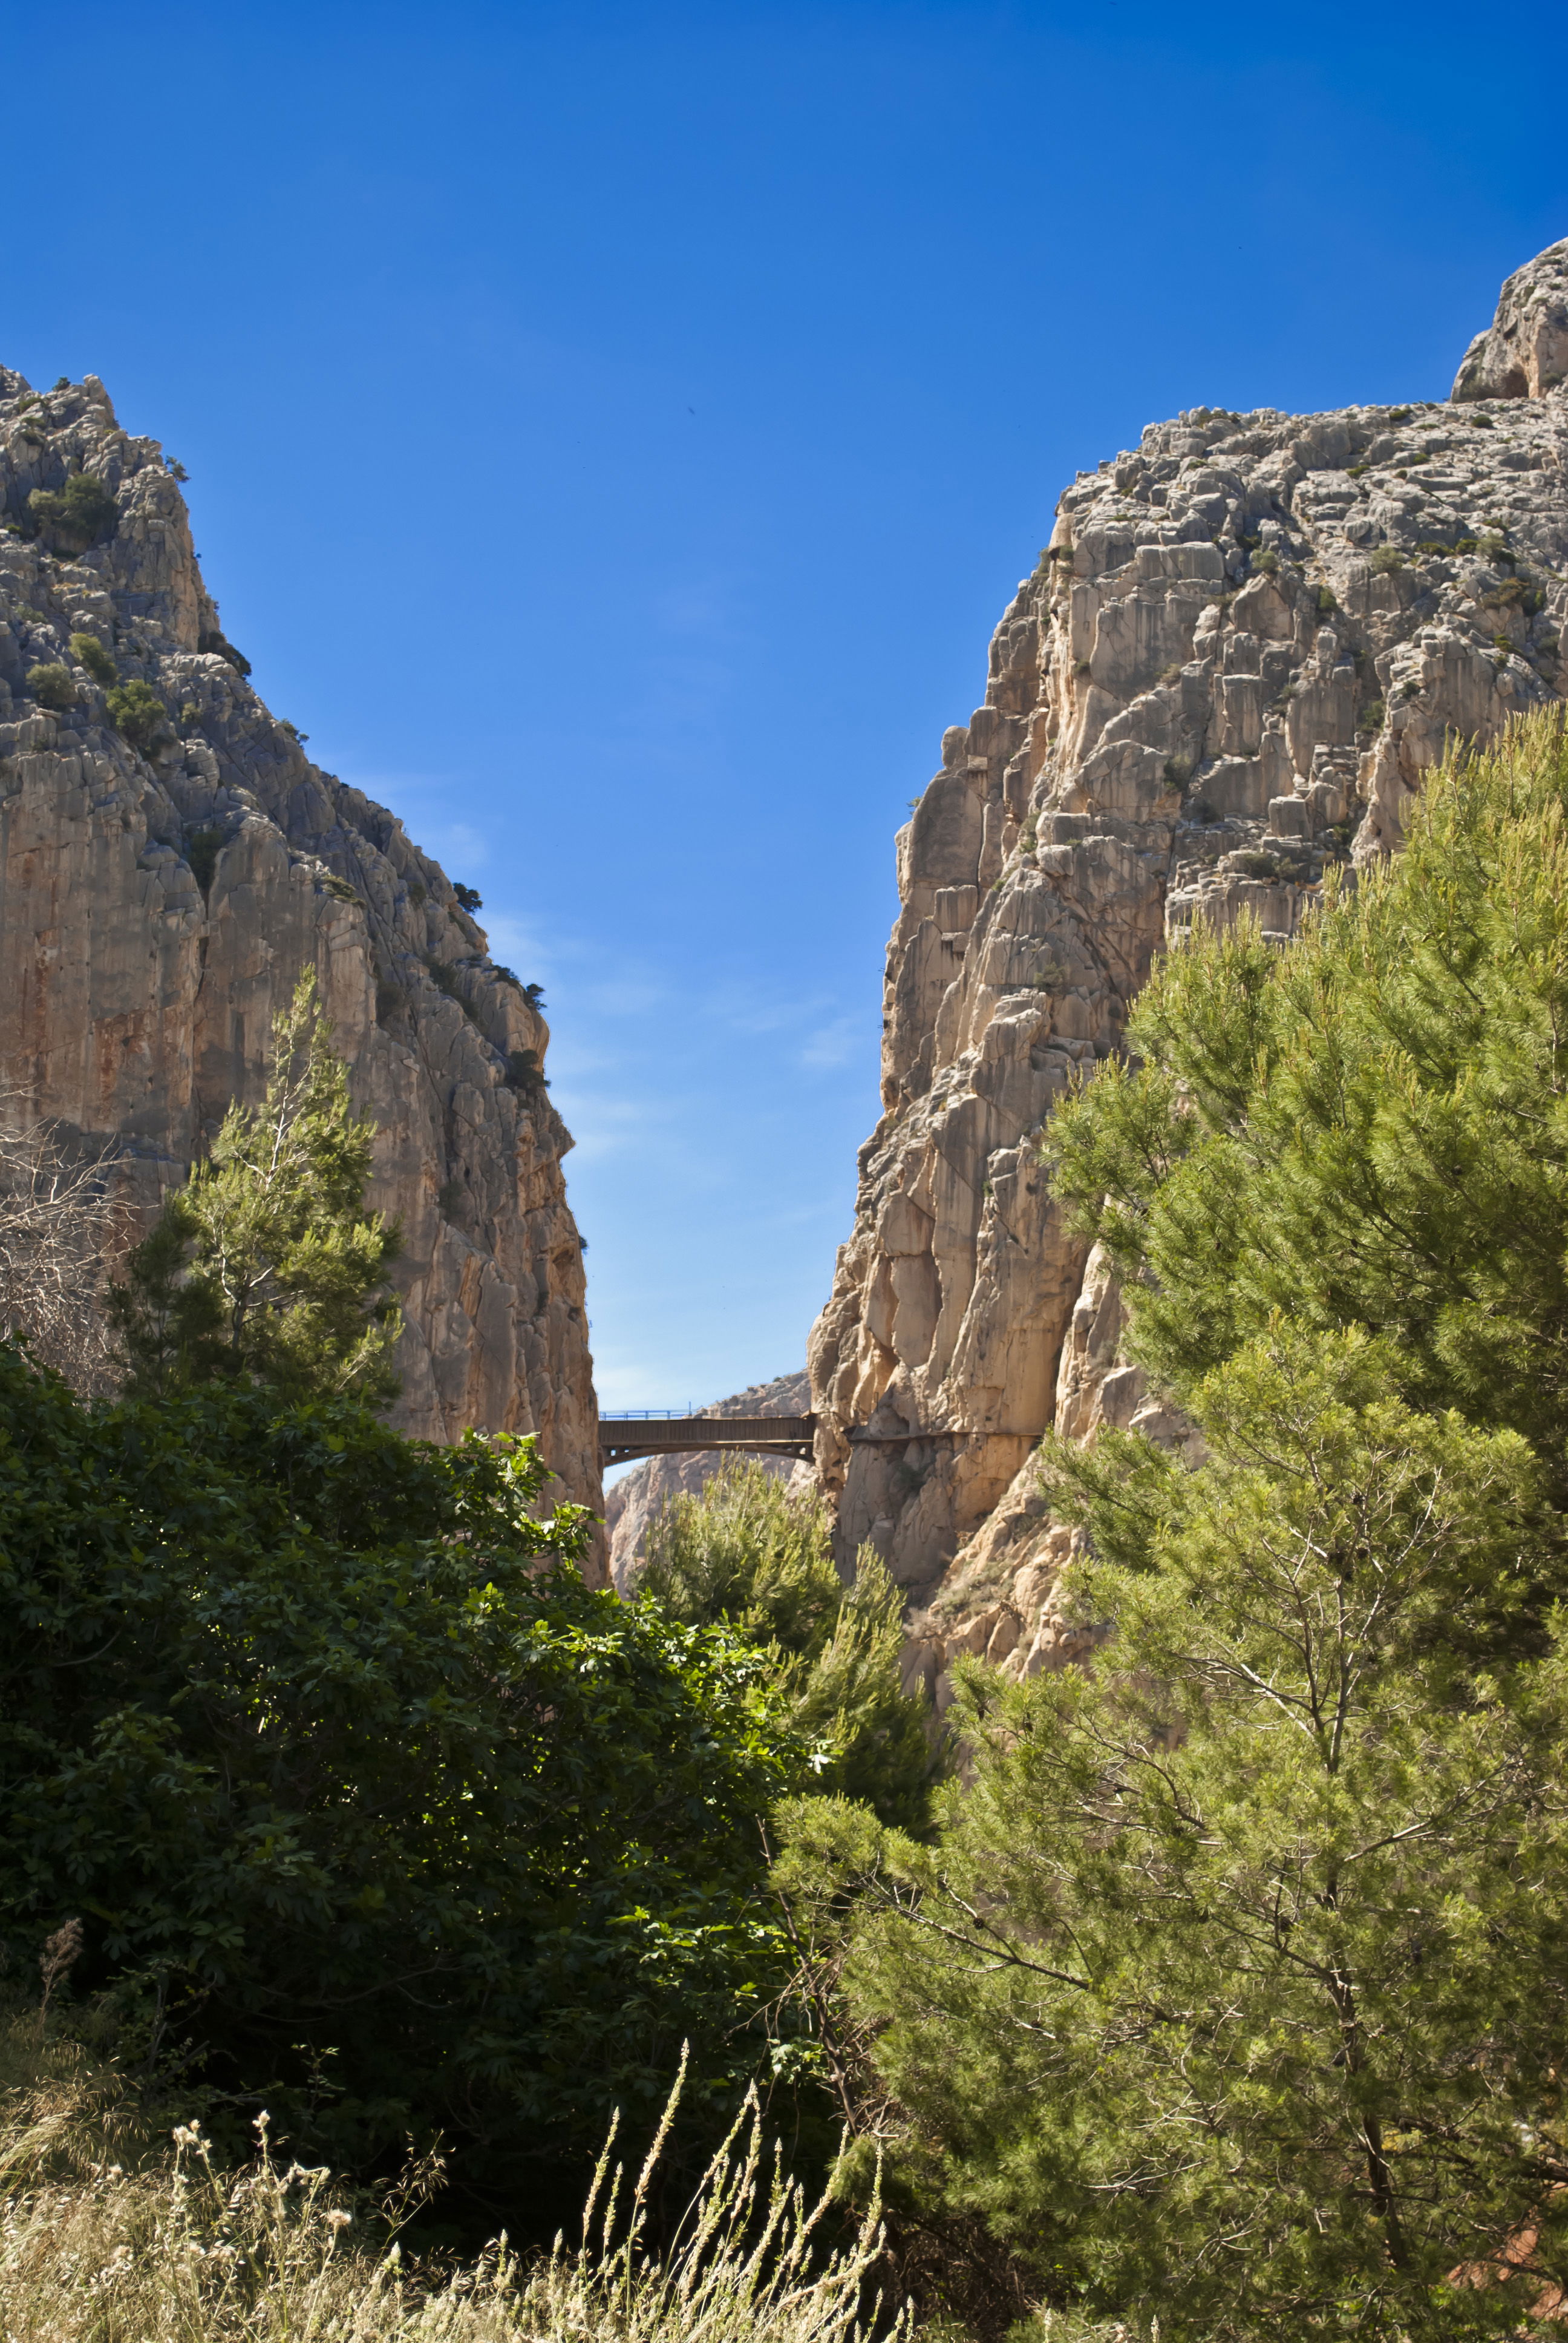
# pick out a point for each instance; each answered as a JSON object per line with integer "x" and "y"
{"x": 651, "y": 1414}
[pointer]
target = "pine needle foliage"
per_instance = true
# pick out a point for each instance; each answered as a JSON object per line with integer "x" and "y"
{"x": 266, "y": 1264}
{"x": 1371, "y": 1128}
{"x": 1232, "y": 1989}
{"x": 750, "y": 1555}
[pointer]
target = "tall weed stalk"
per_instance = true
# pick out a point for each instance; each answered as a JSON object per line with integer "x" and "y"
{"x": 171, "y": 2248}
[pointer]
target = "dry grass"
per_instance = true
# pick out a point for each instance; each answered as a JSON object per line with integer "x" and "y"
{"x": 163, "y": 2246}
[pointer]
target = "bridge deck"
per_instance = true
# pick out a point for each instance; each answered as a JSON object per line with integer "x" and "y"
{"x": 623, "y": 1437}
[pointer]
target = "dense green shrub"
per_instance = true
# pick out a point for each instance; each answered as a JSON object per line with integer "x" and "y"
{"x": 137, "y": 711}
{"x": 468, "y": 898}
{"x": 90, "y": 653}
{"x": 53, "y": 686}
{"x": 1385, "y": 561}
{"x": 81, "y": 513}
{"x": 359, "y": 1790}
{"x": 748, "y": 1553}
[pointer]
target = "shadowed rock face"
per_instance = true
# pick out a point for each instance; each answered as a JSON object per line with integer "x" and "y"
{"x": 632, "y": 1503}
{"x": 158, "y": 903}
{"x": 1249, "y": 638}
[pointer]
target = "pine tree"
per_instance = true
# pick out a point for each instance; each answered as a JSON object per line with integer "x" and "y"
{"x": 1233, "y": 1988}
{"x": 266, "y": 1264}
{"x": 1371, "y": 1128}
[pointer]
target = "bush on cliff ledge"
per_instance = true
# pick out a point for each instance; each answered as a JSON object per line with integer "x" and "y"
{"x": 78, "y": 515}
{"x": 53, "y": 686}
{"x": 137, "y": 711}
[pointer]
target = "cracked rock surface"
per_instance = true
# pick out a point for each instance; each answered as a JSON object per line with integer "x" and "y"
{"x": 1247, "y": 639}
{"x": 164, "y": 879}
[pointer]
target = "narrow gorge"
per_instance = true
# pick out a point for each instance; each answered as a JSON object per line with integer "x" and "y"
{"x": 171, "y": 861}
{"x": 1246, "y": 640}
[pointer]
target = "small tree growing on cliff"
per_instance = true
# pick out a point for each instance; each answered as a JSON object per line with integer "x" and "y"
{"x": 266, "y": 1264}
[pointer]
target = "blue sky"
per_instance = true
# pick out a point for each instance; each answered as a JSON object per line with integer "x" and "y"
{"x": 614, "y": 432}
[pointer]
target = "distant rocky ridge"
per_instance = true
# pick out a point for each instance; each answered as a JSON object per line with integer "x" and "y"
{"x": 1247, "y": 641}
{"x": 634, "y": 1501}
{"x": 158, "y": 901}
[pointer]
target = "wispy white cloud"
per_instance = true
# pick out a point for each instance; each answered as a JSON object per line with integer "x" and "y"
{"x": 837, "y": 1045}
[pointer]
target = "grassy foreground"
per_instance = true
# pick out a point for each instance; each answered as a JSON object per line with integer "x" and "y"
{"x": 106, "y": 2236}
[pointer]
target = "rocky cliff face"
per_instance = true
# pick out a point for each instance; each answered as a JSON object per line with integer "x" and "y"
{"x": 1246, "y": 639}
{"x": 632, "y": 1502}
{"x": 158, "y": 903}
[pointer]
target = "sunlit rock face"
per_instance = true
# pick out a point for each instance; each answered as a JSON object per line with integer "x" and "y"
{"x": 164, "y": 882}
{"x": 1247, "y": 641}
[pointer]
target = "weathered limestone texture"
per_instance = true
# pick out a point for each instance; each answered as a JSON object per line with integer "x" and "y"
{"x": 1246, "y": 639}
{"x": 157, "y": 905}
{"x": 632, "y": 1503}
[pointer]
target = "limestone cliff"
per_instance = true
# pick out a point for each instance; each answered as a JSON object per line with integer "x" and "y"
{"x": 633, "y": 1501}
{"x": 158, "y": 903}
{"x": 1248, "y": 638}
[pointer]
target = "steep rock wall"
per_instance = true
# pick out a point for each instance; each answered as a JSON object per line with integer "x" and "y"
{"x": 156, "y": 910}
{"x": 1246, "y": 639}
